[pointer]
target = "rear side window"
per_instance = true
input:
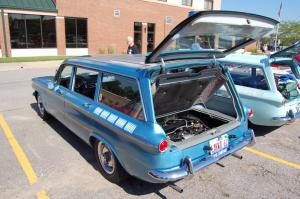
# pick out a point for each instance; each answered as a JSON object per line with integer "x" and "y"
{"x": 85, "y": 82}
{"x": 248, "y": 76}
{"x": 122, "y": 94}
{"x": 65, "y": 75}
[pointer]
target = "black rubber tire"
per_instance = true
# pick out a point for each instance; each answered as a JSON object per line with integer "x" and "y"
{"x": 43, "y": 114}
{"x": 118, "y": 175}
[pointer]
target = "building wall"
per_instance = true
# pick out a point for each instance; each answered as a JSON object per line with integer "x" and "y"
{"x": 105, "y": 30}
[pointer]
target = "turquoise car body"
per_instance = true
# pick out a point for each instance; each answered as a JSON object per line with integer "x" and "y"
{"x": 269, "y": 106}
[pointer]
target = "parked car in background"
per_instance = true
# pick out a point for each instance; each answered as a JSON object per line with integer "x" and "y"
{"x": 161, "y": 117}
{"x": 269, "y": 85}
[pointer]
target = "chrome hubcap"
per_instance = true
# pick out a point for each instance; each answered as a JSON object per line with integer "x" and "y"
{"x": 41, "y": 106}
{"x": 106, "y": 158}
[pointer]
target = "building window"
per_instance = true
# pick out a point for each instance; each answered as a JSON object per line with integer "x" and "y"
{"x": 76, "y": 32}
{"x": 138, "y": 35}
{"x": 32, "y": 31}
{"x": 187, "y": 2}
{"x": 208, "y": 4}
{"x": 150, "y": 37}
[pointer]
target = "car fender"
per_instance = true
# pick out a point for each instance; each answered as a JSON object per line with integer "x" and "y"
{"x": 96, "y": 136}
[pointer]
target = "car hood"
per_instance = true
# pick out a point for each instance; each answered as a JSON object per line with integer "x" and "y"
{"x": 177, "y": 92}
{"x": 210, "y": 34}
{"x": 289, "y": 52}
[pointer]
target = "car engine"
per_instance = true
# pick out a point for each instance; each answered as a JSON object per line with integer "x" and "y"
{"x": 179, "y": 129}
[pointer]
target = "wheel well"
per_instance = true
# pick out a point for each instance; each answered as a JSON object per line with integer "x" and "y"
{"x": 92, "y": 141}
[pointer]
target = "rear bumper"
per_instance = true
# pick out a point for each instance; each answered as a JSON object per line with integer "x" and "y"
{"x": 189, "y": 167}
{"x": 290, "y": 117}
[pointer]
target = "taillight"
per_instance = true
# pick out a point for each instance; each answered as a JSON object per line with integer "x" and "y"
{"x": 298, "y": 85}
{"x": 250, "y": 113}
{"x": 163, "y": 146}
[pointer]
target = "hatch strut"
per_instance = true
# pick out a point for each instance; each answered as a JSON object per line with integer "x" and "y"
{"x": 162, "y": 66}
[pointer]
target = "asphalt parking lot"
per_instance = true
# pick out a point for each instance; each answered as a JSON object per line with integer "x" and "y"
{"x": 45, "y": 160}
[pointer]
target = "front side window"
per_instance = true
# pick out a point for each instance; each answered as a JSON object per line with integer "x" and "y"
{"x": 32, "y": 31}
{"x": 248, "y": 76}
{"x": 122, "y": 94}
{"x": 85, "y": 82}
{"x": 76, "y": 32}
{"x": 65, "y": 75}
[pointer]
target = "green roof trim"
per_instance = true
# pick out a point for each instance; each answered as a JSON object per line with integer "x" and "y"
{"x": 35, "y": 5}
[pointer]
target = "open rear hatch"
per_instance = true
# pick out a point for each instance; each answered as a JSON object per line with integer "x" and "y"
{"x": 211, "y": 34}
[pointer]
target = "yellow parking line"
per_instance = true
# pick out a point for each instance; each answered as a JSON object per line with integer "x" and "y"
{"x": 25, "y": 164}
{"x": 42, "y": 195}
{"x": 291, "y": 164}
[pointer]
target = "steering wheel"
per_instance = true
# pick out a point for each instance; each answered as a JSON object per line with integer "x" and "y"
{"x": 80, "y": 83}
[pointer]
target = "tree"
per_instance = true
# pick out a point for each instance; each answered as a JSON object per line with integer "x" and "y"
{"x": 289, "y": 33}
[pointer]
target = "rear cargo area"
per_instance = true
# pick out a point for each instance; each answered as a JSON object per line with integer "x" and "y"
{"x": 195, "y": 122}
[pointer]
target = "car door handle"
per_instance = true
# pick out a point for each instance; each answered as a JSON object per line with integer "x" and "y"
{"x": 86, "y": 105}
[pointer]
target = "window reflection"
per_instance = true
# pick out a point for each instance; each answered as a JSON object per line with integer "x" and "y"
{"x": 32, "y": 31}
{"x": 76, "y": 32}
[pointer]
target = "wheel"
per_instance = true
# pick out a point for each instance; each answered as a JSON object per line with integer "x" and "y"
{"x": 41, "y": 109}
{"x": 108, "y": 164}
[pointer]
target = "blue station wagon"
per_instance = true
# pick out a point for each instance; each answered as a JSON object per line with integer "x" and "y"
{"x": 161, "y": 117}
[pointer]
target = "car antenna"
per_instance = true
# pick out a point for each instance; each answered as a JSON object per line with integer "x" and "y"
{"x": 162, "y": 66}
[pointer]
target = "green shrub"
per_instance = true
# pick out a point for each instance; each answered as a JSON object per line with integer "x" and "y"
{"x": 101, "y": 51}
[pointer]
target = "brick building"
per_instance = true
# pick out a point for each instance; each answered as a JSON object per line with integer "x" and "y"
{"x": 76, "y": 27}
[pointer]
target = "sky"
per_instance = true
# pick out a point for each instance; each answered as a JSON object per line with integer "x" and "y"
{"x": 269, "y": 8}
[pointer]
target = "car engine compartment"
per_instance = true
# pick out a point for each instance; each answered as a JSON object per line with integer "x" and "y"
{"x": 185, "y": 125}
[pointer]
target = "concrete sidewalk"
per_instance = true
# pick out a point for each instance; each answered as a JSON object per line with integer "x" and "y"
{"x": 27, "y": 65}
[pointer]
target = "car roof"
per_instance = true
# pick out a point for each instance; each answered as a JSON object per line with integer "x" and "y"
{"x": 258, "y": 60}
{"x": 129, "y": 65}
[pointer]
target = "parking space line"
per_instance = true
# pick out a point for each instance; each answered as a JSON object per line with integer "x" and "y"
{"x": 279, "y": 160}
{"x": 42, "y": 195}
{"x": 25, "y": 164}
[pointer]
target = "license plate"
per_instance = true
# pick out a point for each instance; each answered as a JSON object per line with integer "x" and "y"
{"x": 219, "y": 145}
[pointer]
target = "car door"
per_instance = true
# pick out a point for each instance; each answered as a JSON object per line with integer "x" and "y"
{"x": 79, "y": 102}
{"x": 60, "y": 87}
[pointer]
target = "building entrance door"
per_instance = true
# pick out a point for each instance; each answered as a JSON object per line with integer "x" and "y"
{"x": 144, "y": 36}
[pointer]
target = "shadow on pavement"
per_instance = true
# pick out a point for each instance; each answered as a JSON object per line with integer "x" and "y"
{"x": 262, "y": 130}
{"x": 132, "y": 185}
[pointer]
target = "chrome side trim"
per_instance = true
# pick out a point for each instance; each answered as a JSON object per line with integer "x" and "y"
{"x": 290, "y": 117}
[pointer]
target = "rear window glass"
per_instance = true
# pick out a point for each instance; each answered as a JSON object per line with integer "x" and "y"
{"x": 248, "y": 76}
{"x": 122, "y": 94}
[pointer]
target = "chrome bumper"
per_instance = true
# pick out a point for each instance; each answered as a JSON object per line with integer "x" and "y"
{"x": 290, "y": 117}
{"x": 189, "y": 167}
